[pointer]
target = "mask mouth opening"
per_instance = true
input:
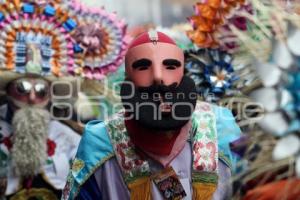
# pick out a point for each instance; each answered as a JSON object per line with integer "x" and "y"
{"x": 165, "y": 107}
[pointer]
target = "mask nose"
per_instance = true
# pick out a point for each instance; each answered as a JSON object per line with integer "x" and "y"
{"x": 32, "y": 97}
{"x": 157, "y": 75}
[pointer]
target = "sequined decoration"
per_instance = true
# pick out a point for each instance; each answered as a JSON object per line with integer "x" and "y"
{"x": 65, "y": 37}
{"x": 212, "y": 71}
{"x": 209, "y": 16}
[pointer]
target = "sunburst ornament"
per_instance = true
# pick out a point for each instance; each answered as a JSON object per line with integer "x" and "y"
{"x": 212, "y": 71}
{"x": 101, "y": 36}
{"x": 66, "y": 37}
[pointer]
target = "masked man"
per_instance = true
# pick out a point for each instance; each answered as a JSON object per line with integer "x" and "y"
{"x": 35, "y": 150}
{"x": 165, "y": 144}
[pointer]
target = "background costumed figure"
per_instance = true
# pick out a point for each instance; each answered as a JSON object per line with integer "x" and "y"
{"x": 47, "y": 48}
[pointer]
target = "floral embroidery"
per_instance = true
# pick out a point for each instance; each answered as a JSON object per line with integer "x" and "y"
{"x": 7, "y": 142}
{"x": 205, "y": 159}
{"x": 77, "y": 165}
{"x": 205, "y": 150}
{"x": 129, "y": 160}
{"x": 66, "y": 191}
{"x": 210, "y": 159}
{"x": 131, "y": 163}
{"x": 206, "y": 107}
{"x": 51, "y": 146}
{"x": 49, "y": 161}
{"x": 197, "y": 147}
{"x": 203, "y": 125}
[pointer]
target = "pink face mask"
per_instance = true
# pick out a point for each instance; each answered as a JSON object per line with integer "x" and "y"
{"x": 155, "y": 63}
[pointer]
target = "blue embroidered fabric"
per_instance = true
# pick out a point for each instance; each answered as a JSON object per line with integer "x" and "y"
{"x": 228, "y": 131}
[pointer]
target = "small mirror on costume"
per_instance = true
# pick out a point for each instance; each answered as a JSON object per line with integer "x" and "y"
{"x": 61, "y": 90}
{"x": 61, "y": 111}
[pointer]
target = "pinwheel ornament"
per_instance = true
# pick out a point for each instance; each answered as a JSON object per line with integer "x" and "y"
{"x": 101, "y": 36}
{"x": 212, "y": 72}
{"x": 65, "y": 36}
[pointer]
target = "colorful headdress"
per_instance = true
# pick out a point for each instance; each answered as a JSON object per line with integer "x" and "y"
{"x": 60, "y": 38}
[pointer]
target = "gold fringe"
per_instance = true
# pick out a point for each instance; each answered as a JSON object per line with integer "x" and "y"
{"x": 140, "y": 189}
{"x": 203, "y": 191}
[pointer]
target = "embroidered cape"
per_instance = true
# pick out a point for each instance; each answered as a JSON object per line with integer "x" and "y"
{"x": 111, "y": 139}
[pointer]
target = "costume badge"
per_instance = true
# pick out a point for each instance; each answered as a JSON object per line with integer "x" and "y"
{"x": 168, "y": 184}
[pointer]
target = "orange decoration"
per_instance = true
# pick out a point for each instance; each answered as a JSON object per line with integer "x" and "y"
{"x": 208, "y": 19}
{"x": 9, "y": 61}
{"x": 199, "y": 36}
{"x": 204, "y": 40}
{"x": 207, "y": 12}
{"x": 55, "y": 69}
{"x": 103, "y": 50}
{"x": 17, "y": 3}
{"x": 62, "y": 16}
{"x": 13, "y": 33}
{"x": 285, "y": 189}
{"x": 214, "y": 3}
{"x": 55, "y": 44}
{"x": 10, "y": 38}
{"x": 9, "y": 64}
{"x": 79, "y": 62}
{"x": 9, "y": 44}
{"x": 203, "y": 24}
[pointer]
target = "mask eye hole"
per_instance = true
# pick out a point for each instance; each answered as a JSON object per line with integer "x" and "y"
{"x": 171, "y": 67}
{"x": 171, "y": 64}
{"x": 142, "y": 64}
{"x": 142, "y": 68}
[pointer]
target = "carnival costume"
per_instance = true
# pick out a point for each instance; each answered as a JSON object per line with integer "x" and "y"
{"x": 45, "y": 45}
{"x": 136, "y": 158}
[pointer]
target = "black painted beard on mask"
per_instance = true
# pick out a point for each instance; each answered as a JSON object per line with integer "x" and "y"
{"x": 143, "y": 104}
